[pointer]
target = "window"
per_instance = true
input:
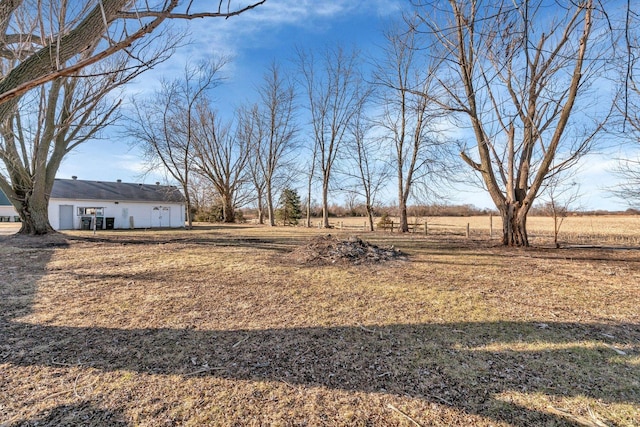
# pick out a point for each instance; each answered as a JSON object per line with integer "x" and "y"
{"x": 91, "y": 211}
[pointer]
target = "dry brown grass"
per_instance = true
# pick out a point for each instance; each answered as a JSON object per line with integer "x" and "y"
{"x": 218, "y": 326}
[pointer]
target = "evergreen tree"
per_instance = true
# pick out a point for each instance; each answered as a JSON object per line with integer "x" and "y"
{"x": 289, "y": 211}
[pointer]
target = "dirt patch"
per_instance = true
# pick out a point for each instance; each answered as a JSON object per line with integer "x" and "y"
{"x": 328, "y": 249}
{"x": 53, "y": 240}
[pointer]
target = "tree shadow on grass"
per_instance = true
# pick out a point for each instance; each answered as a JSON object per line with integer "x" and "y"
{"x": 276, "y": 244}
{"x": 81, "y": 414}
{"x": 466, "y": 366}
{"x": 462, "y": 365}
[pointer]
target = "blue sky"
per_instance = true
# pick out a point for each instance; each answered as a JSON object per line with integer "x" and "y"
{"x": 253, "y": 40}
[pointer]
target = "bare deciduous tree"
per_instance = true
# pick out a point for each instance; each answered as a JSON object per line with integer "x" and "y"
{"x": 203, "y": 195}
{"x": 163, "y": 124}
{"x": 518, "y": 74}
{"x": 560, "y": 192}
{"x": 276, "y": 131}
{"x": 221, "y": 156}
{"x": 51, "y": 41}
{"x": 48, "y": 123}
{"x": 335, "y": 94}
{"x": 410, "y": 116}
{"x": 628, "y": 105}
{"x": 367, "y": 165}
{"x": 311, "y": 170}
{"x": 251, "y": 132}
{"x": 628, "y": 190}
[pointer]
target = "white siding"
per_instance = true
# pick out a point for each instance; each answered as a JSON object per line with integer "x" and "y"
{"x": 120, "y": 211}
{"x": 8, "y": 211}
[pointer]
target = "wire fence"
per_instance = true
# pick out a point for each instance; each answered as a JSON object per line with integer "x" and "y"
{"x": 615, "y": 230}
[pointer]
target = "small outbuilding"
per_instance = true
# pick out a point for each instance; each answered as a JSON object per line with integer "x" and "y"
{"x": 7, "y": 211}
{"x": 78, "y": 204}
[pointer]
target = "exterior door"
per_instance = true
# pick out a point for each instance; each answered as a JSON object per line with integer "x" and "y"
{"x": 166, "y": 216}
{"x": 161, "y": 216}
{"x": 156, "y": 217}
{"x": 66, "y": 217}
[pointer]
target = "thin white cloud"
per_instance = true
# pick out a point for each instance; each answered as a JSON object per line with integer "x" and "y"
{"x": 299, "y": 12}
{"x": 228, "y": 35}
{"x": 306, "y": 12}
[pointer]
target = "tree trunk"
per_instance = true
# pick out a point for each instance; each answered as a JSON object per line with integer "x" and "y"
{"x": 260, "y": 210}
{"x": 270, "y": 209}
{"x": 402, "y": 200}
{"x": 187, "y": 199}
{"x": 227, "y": 210}
{"x": 325, "y": 205}
{"x": 557, "y": 222}
{"x": 514, "y": 226}
{"x": 370, "y": 215}
{"x": 34, "y": 214}
{"x": 403, "y": 227}
{"x": 309, "y": 181}
{"x": 308, "y": 220}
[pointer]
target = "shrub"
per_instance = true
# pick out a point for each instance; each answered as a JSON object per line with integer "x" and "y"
{"x": 209, "y": 214}
{"x": 385, "y": 221}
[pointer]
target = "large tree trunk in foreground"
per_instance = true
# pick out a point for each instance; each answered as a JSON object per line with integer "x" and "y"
{"x": 34, "y": 213}
{"x": 514, "y": 225}
{"x": 517, "y": 74}
{"x": 35, "y": 221}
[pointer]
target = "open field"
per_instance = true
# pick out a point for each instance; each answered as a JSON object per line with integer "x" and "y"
{"x": 223, "y": 326}
{"x": 588, "y": 229}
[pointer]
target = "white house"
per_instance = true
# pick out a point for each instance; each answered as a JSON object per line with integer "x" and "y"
{"x": 7, "y": 212}
{"x": 76, "y": 204}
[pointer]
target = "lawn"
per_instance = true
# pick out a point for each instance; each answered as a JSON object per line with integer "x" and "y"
{"x": 226, "y": 326}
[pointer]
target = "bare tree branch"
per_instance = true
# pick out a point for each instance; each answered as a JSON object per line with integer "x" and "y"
{"x": 518, "y": 75}
{"x": 44, "y": 65}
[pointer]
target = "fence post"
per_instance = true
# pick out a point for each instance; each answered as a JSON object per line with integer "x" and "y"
{"x": 468, "y": 233}
{"x": 392, "y": 226}
{"x": 426, "y": 228}
{"x": 364, "y": 226}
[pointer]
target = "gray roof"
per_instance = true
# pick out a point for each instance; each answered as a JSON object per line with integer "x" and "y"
{"x": 4, "y": 201}
{"x": 76, "y": 189}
